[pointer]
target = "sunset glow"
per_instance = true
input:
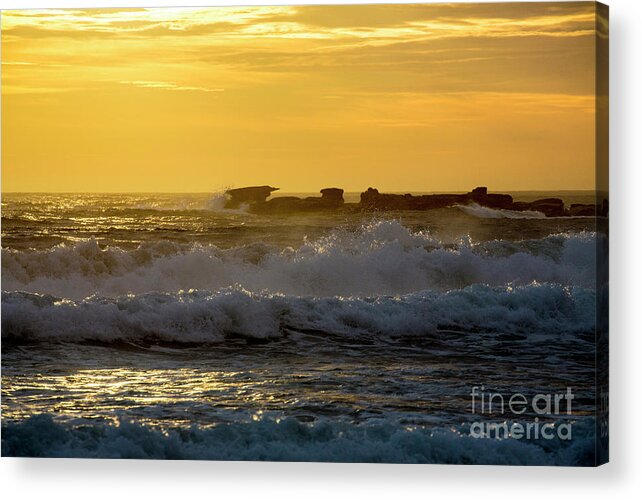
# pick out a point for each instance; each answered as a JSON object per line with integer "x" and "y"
{"x": 403, "y": 97}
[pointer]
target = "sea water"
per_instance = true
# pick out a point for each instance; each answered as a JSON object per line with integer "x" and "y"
{"x": 164, "y": 326}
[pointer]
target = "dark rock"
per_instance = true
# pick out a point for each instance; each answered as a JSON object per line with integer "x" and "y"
{"x": 433, "y": 201}
{"x": 521, "y": 206}
{"x": 281, "y": 204}
{"x": 581, "y": 209}
{"x": 332, "y": 194}
{"x": 479, "y": 192}
{"x": 549, "y": 201}
{"x": 502, "y": 201}
{"x": 480, "y": 196}
{"x": 551, "y": 207}
{"x": 331, "y": 198}
{"x": 248, "y": 195}
{"x": 371, "y": 199}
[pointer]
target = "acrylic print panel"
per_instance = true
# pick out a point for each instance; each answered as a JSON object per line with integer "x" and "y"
{"x": 372, "y": 233}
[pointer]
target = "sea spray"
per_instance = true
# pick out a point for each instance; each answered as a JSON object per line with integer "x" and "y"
{"x": 381, "y": 258}
{"x": 540, "y": 310}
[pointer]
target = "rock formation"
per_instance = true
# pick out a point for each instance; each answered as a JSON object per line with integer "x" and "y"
{"x": 248, "y": 195}
{"x": 255, "y": 198}
{"x": 551, "y": 207}
{"x": 330, "y": 199}
{"x": 371, "y": 199}
{"x": 578, "y": 209}
{"x": 332, "y": 195}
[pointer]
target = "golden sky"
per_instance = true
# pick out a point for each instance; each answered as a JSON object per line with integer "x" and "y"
{"x": 400, "y": 97}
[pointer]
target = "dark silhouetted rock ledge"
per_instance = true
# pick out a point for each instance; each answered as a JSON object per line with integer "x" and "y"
{"x": 580, "y": 209}
{"x": 248, "y": 196}
{"x": 255, "y": 198}
{"x": 331, "y": 199}
{"x": 371, "y": 199}
{"x": 551, "y": 207}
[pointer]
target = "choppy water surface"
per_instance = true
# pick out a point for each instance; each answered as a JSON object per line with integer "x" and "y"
{"x": 165, "y": 326}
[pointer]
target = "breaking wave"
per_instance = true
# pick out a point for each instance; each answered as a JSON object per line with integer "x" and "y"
{"x": 209, "y": 317}
{"x": 289, "y": 440}
{"x": 491, "y": 213}
{"x": 382, "y": 258}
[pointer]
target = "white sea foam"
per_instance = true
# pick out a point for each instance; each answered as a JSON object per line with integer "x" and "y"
{"x": 202, "y": 316}
{"x": 383, "y": 258}
{"x": 290, "y": 440}
{"x": 491, "y": 213}
{"x": 216, "y": 203}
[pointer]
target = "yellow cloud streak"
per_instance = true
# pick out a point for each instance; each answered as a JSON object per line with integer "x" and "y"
{"x": 210, "y": 97}
{"x": 167, "y": 86}
{"x": 256, "y": 21}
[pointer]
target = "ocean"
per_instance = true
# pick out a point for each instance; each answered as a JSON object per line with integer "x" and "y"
{"x": 164, "y": 326}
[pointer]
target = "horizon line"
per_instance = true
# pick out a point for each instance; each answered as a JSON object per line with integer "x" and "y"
{"x": 401, "y": 191}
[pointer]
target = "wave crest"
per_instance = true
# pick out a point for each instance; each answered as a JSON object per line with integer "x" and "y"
{"x": 382, "y": 257}
{"x": 289, "y": 440}
{"x": 207, "y": 317}
{"x": 491, "y": 213}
